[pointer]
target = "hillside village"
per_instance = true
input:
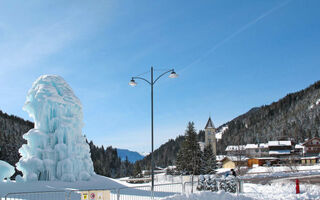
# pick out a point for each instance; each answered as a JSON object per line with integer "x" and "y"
{"x": 284, "y": 151}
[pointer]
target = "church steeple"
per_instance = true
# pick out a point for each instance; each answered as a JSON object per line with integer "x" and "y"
{"x": 210, "y": 135}
{"x": 209, "y": 124}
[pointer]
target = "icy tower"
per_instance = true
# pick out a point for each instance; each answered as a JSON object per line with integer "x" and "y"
{"x": 56, "y": 149}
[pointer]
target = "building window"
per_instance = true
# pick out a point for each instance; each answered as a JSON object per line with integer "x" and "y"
{"x": 209, "y": 132}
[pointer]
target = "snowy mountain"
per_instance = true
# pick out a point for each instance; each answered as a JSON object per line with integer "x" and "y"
{"x": 132, "y": 155}
{"x": 296, "y": 116}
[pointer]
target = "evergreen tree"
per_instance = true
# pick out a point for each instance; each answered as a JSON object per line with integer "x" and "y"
{"x": 137, "y": 170}
{"x": 208, "y": 161}
{"x": 189, "y": 156}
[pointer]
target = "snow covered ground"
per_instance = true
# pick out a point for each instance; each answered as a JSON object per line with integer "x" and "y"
{"x": 96, "y": 182}
{"x": 221, "y": 132}
{"x": 280, "y": 189}
{"x": 276, "y": 191}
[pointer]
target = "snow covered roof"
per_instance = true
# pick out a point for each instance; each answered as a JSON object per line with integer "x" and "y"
{"x": 251, "y": 146}
{"x": 279, "y": 143}
{"x": 171, "y": 167}
{"x": 220, "y": 157}
{"x": 235, "y": 147}
{"x": 263, "y": 145}
{"x": 308, "y": 141}
{"x": 311, "y": 157}
{"x": 298, "y": 146}
{"x": 236, "y": 158}
{"x": 279, "y": 152}
{"x": 209, "y": 124}
{"x": 248, "y": 146}
{"x": 266, "y": 158}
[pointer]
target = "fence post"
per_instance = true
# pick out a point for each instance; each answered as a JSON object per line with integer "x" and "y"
{"x": 152, "y": 192}
{"x": 118, "y": 194}
{"x": 239, "y": 186}
{"x": 183, "y": 189}
{"x": 69, "y": 196}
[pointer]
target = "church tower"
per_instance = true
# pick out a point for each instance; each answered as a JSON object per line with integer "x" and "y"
{"x": 210, "y": 135}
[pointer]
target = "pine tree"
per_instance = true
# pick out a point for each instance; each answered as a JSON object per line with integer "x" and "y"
{"x": 137, "y": 170}
{"x": 208, "y": 161}
{"x": 189, "y": 156}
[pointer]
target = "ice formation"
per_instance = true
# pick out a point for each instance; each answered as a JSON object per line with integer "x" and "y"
{"x": 56, "y": 148}
{"x": 6, "y": 170}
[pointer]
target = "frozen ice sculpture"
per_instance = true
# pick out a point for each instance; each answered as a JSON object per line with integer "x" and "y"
{"x": 56, "y": 148}
{"x": 6, "y": 170}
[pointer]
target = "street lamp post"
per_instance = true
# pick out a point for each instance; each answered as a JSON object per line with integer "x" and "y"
{"x": 151, "y": 83}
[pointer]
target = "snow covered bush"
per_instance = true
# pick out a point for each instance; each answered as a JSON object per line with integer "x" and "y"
{"x": 207, "y": 182}
{"x": 56, "y": 148}
{"x": 228, "y": 184}
{"x": 6, "y": 170}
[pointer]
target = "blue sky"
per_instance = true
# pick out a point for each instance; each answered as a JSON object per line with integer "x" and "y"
{"x": 230, "y": 55}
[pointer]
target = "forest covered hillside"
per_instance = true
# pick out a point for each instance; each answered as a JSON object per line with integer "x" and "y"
{"x": 295, "y": 116}
{"x": 11, "y": 130}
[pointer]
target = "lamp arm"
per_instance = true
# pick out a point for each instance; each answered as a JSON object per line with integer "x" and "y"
{"x": 171, "y": 70}
{"x": 137, "y": 77}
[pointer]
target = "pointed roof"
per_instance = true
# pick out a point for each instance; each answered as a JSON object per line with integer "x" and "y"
{"x": 209, "y": 124}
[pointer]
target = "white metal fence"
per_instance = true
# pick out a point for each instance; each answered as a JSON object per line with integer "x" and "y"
{"x": 43, "y": 195}
{"x": 125, "y": 193}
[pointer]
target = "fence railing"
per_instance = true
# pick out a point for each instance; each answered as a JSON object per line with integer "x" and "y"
{"x": 41, "y": 195}
{"x": 125, "y": 193}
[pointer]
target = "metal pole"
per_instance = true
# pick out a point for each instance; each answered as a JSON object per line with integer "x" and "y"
{"x": 152, "y": 162}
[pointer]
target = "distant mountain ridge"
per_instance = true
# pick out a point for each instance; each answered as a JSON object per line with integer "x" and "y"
{"x": 132, "y": 155}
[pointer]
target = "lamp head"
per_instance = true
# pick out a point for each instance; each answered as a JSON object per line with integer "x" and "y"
{"x": 132, "y": 83}
{"x": 173, "y": 75}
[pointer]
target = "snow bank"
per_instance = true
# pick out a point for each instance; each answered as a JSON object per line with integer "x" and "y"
{"x": 56, "y": 148}
{"x": 6, "y": 170}
{"x": 277, "y": 191}
{"x": 221, "y": 195}
{"x": 281, "y": 191}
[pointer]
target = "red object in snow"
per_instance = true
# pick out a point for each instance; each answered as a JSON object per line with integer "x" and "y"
{"x": 297, "y": 186}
